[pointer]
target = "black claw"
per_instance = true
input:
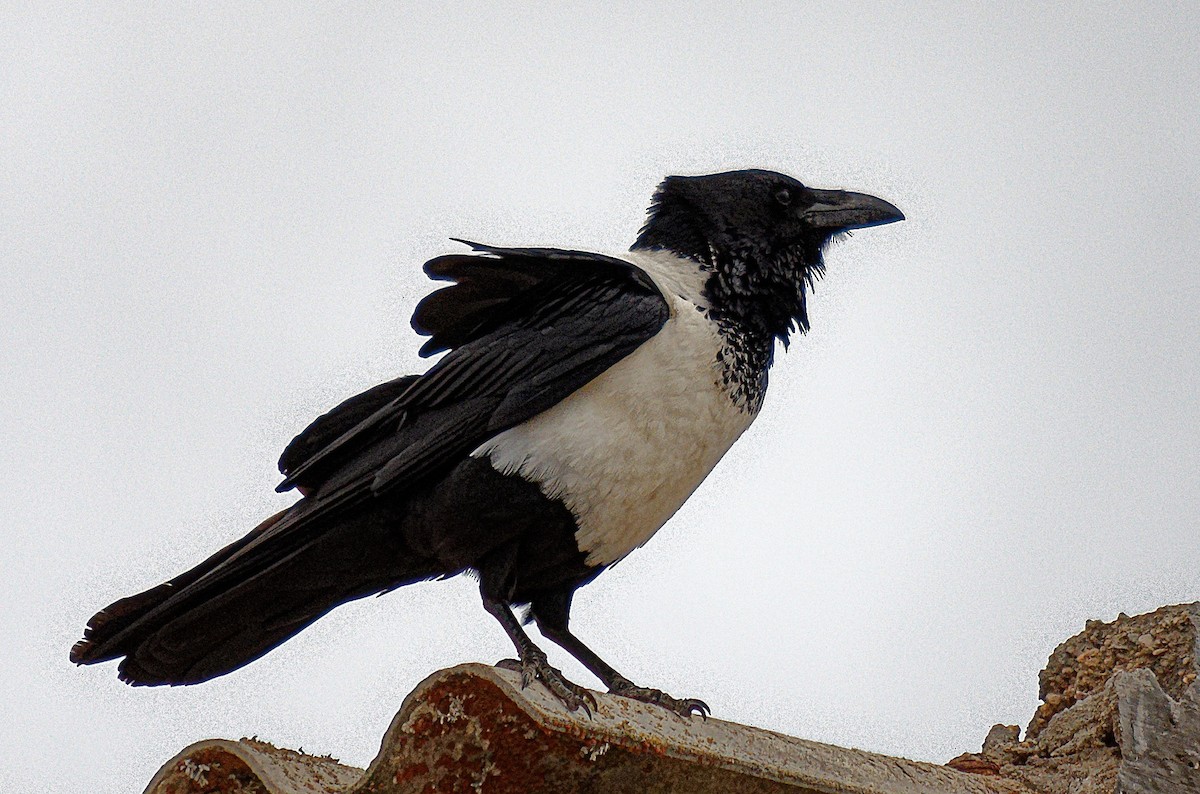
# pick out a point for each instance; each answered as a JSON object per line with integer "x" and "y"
{"x": 680, "y": 708}
{"x": 535, "y": 667}
{"x": 587, "y": 702}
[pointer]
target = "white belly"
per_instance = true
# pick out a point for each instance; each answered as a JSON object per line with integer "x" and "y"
{"x": 625, "y": 451}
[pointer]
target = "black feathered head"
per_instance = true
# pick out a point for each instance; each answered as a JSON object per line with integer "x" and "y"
{"x": 759, "y": 235}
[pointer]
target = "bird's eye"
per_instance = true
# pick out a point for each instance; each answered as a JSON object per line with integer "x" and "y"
{"x": 783, "y": 196}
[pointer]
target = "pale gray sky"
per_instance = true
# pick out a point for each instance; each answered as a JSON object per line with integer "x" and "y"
{"x": 213, "y": 222}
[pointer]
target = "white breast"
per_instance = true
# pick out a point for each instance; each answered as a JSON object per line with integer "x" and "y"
{"x": 625, "y": 451}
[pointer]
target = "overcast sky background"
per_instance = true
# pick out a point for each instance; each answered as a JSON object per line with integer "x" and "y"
{"x": 212, "y": 221}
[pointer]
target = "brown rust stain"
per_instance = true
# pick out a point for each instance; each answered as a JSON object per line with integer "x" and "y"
{"x": 467, "y": 735}
{"x": 974, "y": 764}
{"x": 211, "y": 770}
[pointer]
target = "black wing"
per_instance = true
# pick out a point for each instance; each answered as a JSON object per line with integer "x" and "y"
{"x": 555, "y": 321}
{"x": 490, "y": 289}
{"x": 330, "y": 426}
{"x": 577, "y": 316}
{"x": 528, "y": 327}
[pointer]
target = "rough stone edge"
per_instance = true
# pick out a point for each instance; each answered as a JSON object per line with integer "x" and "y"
{"x": 1130, "y": 733}
{"x": 1112, "y": 647}
{"x": 1159, "y": 736}
{"x": 760, "y": 753}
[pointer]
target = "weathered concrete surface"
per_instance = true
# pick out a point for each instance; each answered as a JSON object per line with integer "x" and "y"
{"x": 1120, "y": 713}
{"x": 473, "y": 729}
{"x": 477, "y": 720}
{"x": 250, "y": 767}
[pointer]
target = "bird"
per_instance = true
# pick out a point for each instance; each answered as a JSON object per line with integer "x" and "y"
{"x": 580, "y": 400}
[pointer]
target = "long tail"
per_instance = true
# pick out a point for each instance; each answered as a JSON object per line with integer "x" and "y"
{"x": 245, "y": 600}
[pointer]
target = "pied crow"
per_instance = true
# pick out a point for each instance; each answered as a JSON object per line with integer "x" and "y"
{"x": 581, "y": 399}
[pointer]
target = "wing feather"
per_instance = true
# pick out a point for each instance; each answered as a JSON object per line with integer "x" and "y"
{"x": 331, "y": 425}
{"x": 557, "y": 320}
{"x": 560, "y": 319}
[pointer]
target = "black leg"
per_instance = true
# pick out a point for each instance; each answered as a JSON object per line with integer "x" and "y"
{"x": 552, "y": 614}
{"x": 533, "y": 663}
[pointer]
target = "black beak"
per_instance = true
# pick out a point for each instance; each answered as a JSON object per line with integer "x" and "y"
{"x": 838, "y": 210}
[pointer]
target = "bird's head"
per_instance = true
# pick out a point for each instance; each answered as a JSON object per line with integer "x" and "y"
{"x": 759, "y": 236}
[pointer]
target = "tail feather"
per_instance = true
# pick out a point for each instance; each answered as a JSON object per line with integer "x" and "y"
{"x": 172, "y": 637}
{"x": 109, "y": 623}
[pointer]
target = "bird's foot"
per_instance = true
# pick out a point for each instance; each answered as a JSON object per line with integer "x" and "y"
{"x": 684, "y": 707}
{"x": 534, "y": 666}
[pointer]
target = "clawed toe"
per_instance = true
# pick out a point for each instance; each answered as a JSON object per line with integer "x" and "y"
{"x": 684, "y": 708}
{"x": 689, "y": 706}
{"x": 568, "y": 693}
{"x": 535, "y": 667}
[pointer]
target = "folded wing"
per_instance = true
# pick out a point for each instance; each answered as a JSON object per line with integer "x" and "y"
{"x": 524, "y": 327}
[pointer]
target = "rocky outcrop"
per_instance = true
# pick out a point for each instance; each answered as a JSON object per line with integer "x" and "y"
{"x": 1120, "y": 713}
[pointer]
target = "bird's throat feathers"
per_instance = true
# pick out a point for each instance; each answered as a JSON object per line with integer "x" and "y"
{"x": 755, "y": 282}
